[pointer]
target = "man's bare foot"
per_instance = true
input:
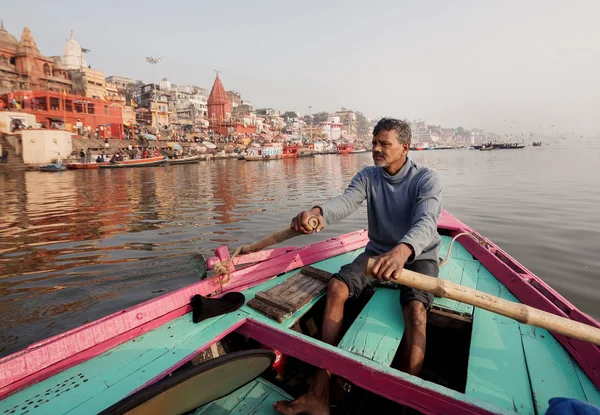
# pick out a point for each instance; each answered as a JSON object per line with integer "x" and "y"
{"x": 314, "y": 402}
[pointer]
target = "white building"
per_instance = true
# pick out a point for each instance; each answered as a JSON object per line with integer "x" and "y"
{"x": 73, "y": 55}
{"x": 332, "y": 128}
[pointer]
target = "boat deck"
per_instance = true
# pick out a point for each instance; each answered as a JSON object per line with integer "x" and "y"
{"x": 512, "y": 367}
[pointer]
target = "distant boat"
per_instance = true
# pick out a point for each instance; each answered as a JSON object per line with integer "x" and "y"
{"x": 345, "y": 148}
{"x": 358, "y": 150}
{"x": 537, "y": 143}
{"x": 185, "y": 160}
{"x": 84, "y": 166}
{"x": 484, "y": 148}
{"x": 149, "y": 162}
{"x": 421, "y": 146}
{"x": 53, "y": 167}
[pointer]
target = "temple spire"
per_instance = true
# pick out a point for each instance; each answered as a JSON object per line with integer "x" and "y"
{"x": 2, "y": 24}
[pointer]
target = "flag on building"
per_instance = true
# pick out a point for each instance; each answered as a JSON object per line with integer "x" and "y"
{"x": 133, "y": 103}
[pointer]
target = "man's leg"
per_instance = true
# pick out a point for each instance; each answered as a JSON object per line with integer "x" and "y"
{"x": 415, "y": 304}
{"x": 348, "y": 283}
{"x": 413, "y": 354}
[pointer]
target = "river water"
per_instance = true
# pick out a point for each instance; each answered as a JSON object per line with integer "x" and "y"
{"x": 79, "y": 245}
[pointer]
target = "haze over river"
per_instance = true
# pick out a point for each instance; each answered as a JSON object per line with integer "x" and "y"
{"x": 79, "y": 245}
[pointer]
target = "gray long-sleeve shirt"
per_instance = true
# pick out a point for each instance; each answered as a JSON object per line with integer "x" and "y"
{"x": 401, "y": 208}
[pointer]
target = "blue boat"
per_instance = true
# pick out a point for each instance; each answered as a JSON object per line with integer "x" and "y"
{"x": 53, "y": 167}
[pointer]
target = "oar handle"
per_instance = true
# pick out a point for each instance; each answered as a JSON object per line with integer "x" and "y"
{"x": 277, "y": 237}
{"x": 517, "y": 311}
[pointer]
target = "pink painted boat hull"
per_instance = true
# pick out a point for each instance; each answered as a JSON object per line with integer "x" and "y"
{"x": 48, "y": 357}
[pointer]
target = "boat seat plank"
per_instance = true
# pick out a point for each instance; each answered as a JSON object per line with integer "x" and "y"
{"x": 331, "y": 265}
{"x": 257, "y": 397}
{"x": 377, "y": 331}
{"x": 103, "y": 380}
{"x": 497, "y": 370}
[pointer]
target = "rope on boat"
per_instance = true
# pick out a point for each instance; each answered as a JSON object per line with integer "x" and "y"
{"x": 222, "y": 269}
{"x": 441, "y": 264}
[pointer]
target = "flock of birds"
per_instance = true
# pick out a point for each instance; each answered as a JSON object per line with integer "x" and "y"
{"x": 523, "y": 136}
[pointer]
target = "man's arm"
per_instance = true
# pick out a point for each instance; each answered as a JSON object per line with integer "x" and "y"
{"x": 427, "y": 214}
{"x": 347, "y": 203}
{"x": 336, "y": 209}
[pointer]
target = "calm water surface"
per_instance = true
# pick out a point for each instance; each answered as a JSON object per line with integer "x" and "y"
{"x": 78, "y": 245}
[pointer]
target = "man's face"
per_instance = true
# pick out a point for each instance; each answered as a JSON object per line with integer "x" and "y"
{"x": 387, "y": 150}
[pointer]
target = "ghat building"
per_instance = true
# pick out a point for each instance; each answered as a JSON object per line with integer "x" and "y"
{"x": 23, "y": 67}
{"x": 63, "y": 92}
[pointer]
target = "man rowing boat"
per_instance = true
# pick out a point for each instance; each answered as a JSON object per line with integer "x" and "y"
{"x": 404, "y": 203}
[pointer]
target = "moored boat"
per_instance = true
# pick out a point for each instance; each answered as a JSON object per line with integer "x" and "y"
{"x": 486, "y": 148}
{"x": 185, "y": 160}
{"x": 537, "y": 144}
{"x": 345, "y": 148}
{"x": 50, "y": 168}
{"x": 358, "y": 150}
{"x": 147, "y": 162}
{"x": 290, "y": 152}
{"x": 271, "y": 152}
{"x": 481, "y": 362}
{"x": 84, "y": 166}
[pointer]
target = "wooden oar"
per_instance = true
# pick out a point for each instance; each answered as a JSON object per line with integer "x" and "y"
{"x": 276, "y": 238}
{"x": 517, "y": 311}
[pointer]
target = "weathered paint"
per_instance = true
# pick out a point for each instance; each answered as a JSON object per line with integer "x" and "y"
{"x": 392, "y": 384}
{"x": 377, "y": 331}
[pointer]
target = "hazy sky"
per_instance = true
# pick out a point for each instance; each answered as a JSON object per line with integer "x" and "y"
{"x": 471, "y": 63}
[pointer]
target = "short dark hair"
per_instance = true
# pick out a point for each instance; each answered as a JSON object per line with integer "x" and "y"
{"x": 402, "y": 128}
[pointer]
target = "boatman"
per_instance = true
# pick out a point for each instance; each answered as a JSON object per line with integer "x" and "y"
{"x": 404, "y": 204}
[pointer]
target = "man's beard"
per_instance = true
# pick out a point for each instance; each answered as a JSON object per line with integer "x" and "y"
{"x": 380, "y": 162}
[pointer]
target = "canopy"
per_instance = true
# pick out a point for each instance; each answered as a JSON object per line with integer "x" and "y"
{"x": 149, "y": 137}
{"x": 208, "y": 144}
{"x": 177, "y": 147}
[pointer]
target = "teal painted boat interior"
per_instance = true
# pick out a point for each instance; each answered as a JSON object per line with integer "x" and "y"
{"x": 512, "y": 367}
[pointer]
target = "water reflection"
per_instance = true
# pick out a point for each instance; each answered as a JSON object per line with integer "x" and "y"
{"x": 78, "y": 245}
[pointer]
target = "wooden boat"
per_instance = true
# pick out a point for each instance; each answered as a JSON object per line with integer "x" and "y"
{"x": 148, "y": 162}
{"x": 358, "y": 150}
{"x": 486, "y": 148}
{"x": 345, "y": 148}
{"x": 477, "y": 362}
{"x": 537, "y": 143}
{"x": 185, "y": 160}
{"x": 84, "y": 166}
{"x": 266, "y": 153}
{"x": 290, "y": 152}
{"x": 50, "y": 168}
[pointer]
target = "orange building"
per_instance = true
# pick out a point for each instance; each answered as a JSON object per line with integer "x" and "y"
{"x": 23, "y": 67}
{"x": 219, "y": 107}
{"x": 77, "y": 113}
{"x": 219, "y": 112}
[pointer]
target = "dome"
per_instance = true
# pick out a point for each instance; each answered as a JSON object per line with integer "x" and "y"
{"x": 73, "y": 54}
{"x": 7, "y": 41}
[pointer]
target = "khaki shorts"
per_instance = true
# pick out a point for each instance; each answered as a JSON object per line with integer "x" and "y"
{"x": 353, "y": 275}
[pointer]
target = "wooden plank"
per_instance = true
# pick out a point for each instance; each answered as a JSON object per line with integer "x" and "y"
{"x": 275, "y": 302}
{"x": 281, "y": 301}
{"x": 469, "y": 279}
{"x": 257, "y": 397}
{"x": 551, "y": 369}
{"x": 317, "y": 273}
{"x": 330, "y": 265}
{"x": 377, "y": 331}
{"x": 497, "y": 370}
